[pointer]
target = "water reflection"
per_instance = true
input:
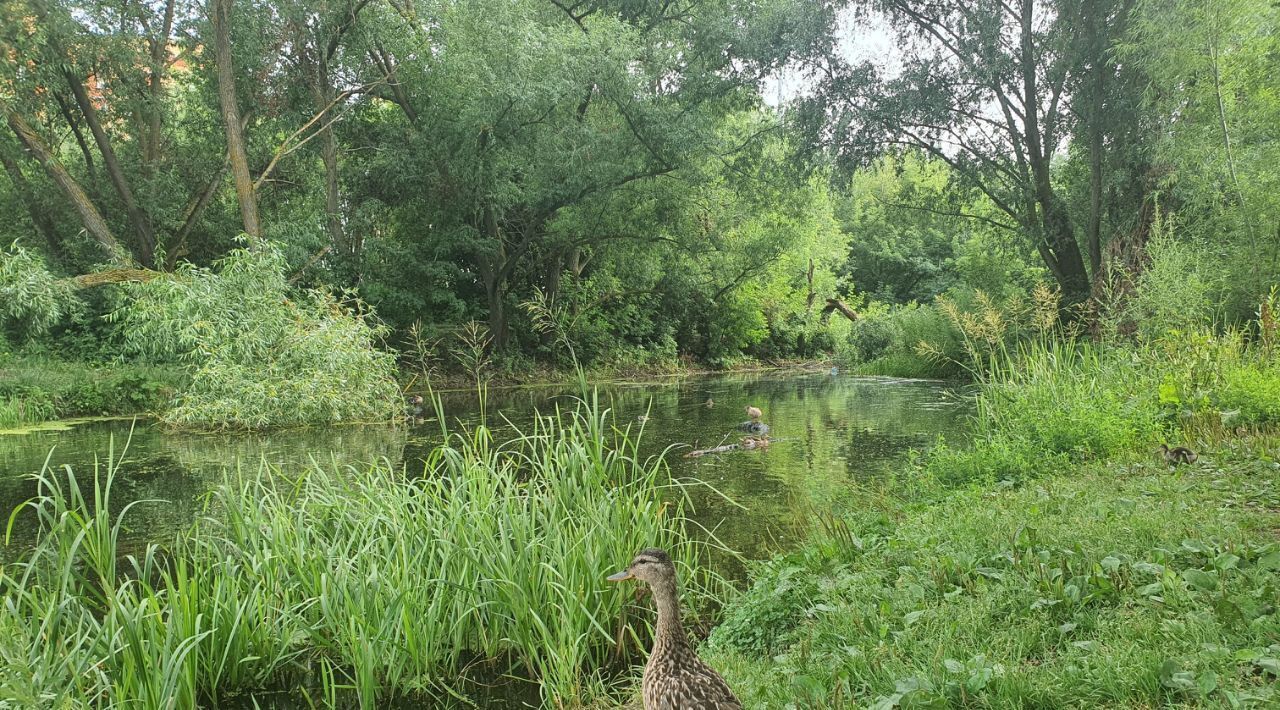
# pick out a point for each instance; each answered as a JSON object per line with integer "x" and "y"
{"x": 828, "y": 431}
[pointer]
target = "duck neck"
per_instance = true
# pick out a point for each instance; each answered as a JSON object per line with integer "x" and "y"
{"x": 669, "y": 633}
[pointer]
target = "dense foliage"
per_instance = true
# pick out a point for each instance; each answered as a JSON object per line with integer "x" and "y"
{"x": 623, "y": 165}
{"x": 259, "y": 353}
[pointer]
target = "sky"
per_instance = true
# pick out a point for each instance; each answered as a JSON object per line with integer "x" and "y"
{"x": 858, "y": 41}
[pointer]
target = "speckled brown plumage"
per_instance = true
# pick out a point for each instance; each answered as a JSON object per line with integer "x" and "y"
{"x": 674, "y": 678}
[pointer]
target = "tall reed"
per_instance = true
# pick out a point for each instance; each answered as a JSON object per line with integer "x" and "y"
{"x": 385, "y": 582}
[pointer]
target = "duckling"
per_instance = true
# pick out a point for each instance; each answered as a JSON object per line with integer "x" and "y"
{"x": 755, "y": 442}
{"x": 710, "y": 403}
{"x": 413, "y": 406}
{"x": 1177, "y": 455}
{"x": 674, "y": 678}
{"x": 642, "y": 418}
{"x": 754, "y": 413}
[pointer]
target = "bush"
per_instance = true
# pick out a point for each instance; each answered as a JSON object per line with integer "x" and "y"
{"x": 870, "y": 337}
{"x": 261, "y": 354}
{"x": 911, "y": 340}
{"x": 37, "y": 389}
{"x": 1173, "y": 292}
{"x": 31, "y": 299}
{"x": 1254, "y": 391}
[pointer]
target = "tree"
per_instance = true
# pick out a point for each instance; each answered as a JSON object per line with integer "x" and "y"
{"x": 985, "y": 87}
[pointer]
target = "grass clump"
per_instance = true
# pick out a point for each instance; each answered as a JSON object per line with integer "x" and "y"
{"x": 1120, "y": 585}
{"x": 367, "y": 580}
{"x": 260, "y": 353}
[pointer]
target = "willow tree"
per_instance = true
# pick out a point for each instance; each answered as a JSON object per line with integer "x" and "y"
{"x": 988, "y": 87}
{"x": 506, "y": 113}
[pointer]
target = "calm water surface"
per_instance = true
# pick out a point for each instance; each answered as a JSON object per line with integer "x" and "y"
{"x": 828, "y": 431}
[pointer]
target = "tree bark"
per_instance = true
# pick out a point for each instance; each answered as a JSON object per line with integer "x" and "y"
{"x": 146, "y": 240}
{"x": 1063, "y": 253}
{"x": 159, "y": 50}
{"x": 1093, "y": 231}
{"x": 90, "y": 170}
{"x": 387, "y": 64}
{"x": 494, "y": 278}
{"x": 835, "y": 304}
{"x": 231, "y": 118}
{"x": 39, "y": 219}
{"x": 324, "y": 93}
{"x": 88, "y": 213}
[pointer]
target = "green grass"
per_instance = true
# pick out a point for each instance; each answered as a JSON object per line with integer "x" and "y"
{"x": 34, "y": 390}
{"x": 372, "y": 582}
{"x": 1054, "y": 561}
{"x": 1111, "y": 585}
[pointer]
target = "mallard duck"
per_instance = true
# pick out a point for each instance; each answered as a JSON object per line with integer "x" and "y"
{"x": 754, "y": 413}
{"x": 642, "y": 418}
{"x": 674, "y": 678}
{"x": 1177, "y": 455}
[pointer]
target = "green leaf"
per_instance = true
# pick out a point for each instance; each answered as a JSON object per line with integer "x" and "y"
{"x": 1204, "y": 581}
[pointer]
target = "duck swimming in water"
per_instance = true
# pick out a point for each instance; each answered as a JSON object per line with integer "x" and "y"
{"x": 413, "y": 406}
{"x": 754, "y": 413}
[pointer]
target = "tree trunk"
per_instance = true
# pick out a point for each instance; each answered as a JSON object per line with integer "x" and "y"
{"x": 494, "y": 291}
{"x": 146, "y": 240}
{"x": 324, "y": 94}
{"x": 90, "y": 170}
{"x": 155, "y": 85}
{"x": 494, "y": 276}
{"x": 89, "y": 215}
{"x": 835, "y": 304}
{"x": 231, "y": 118}
{"x": 1093, "y": 234}
{"x": 1060, "y": 249}
{"x": 387, "y": 64}
{"x": 39, "y": 219}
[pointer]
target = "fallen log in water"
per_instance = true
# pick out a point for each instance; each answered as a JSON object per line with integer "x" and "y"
{"x": 747, "y": 443}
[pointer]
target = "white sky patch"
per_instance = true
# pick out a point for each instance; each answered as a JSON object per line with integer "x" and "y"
{"x": 870, "y": 39}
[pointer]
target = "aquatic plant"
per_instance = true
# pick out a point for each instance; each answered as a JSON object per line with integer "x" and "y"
{"x": 372, "y": 579}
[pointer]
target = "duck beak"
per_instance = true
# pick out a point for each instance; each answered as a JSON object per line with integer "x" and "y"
{"x": 620, "y": 576}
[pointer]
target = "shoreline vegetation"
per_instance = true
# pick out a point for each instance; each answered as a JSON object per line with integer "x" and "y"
{"x": 1058, "y": 559}
{"x": 372, "y": 584}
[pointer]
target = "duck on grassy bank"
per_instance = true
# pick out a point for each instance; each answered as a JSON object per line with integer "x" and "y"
{"x": 674, "y": 678}
{"x": 1177, "y": 455}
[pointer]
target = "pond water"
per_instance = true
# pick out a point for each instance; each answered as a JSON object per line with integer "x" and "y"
{"x": 828, "y": 432}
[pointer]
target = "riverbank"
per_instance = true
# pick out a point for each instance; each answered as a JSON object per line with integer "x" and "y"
{"x": 40, "y": 389}
{"x": 1119, "y": 583}
{"x": 538, "y": 376}
{"x": 1058, "y": 560}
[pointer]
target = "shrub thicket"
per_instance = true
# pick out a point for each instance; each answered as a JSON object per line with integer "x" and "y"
{"x": 260, "y": 353}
